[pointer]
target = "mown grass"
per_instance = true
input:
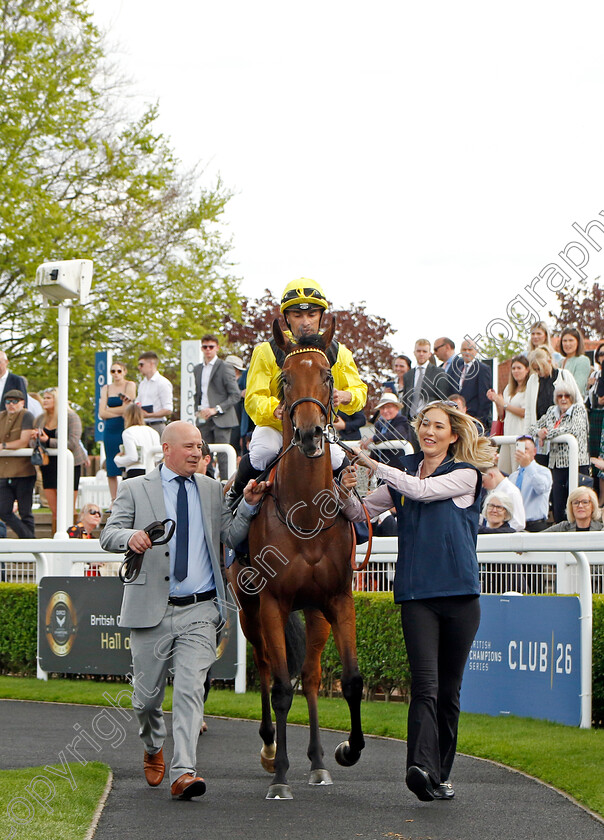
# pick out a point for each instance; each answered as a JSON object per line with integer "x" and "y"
{"x": 61, "y": 807}
{"x": 568, "y": 758}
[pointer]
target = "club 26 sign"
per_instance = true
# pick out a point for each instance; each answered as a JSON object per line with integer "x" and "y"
{"x": 526, "y": 659}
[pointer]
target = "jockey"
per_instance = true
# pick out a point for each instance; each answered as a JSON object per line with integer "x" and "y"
{"x": 302, "y": 304}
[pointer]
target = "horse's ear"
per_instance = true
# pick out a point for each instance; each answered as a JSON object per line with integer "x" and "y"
{"x": 281, "y": 339}
{"x": 327, "y": 336}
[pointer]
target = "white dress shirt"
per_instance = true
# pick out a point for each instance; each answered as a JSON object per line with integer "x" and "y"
{"x": 200, "y": 576}
{"x": 205, "y": 381}
{"x": 155, "y": 392}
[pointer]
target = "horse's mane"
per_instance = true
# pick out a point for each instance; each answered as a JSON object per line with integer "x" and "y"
{"x": 314, "y": 340}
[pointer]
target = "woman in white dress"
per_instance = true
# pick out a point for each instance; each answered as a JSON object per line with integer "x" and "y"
{"x": 511, "y": 407}
{"x": 139, "y": 441}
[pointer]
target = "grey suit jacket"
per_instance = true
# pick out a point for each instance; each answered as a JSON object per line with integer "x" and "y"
{"x": 223, "y": 390}
{"x": 139, "y": 502}
{"x": 436, "y": 386}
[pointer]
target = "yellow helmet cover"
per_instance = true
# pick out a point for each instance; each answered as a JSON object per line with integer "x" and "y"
{"x": 303, "y": 294}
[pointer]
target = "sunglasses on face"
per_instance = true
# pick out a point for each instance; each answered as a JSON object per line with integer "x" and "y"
{"x": 12, "y": 401}
{"x": 116, "y": 370}
{"x": 94, "y": 512}
{"x": 208, "y": 346}
{"x": 564, "y": 396}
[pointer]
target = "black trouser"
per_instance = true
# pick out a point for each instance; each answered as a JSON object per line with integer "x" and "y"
{"x": 21, "y": 490}
{"x": 438, "y": 635}
{"x": 560, "y": 490}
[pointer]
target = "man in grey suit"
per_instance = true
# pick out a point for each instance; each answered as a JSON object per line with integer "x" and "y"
{"x": 423, "y": 383}
{"x": 216, "y": 394}
{"x": 176, "y": 604}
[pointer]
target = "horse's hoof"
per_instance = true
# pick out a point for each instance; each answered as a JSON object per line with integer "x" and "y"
{"x": 344, "y": 755}
{"x": 319, "y": 777}
{"x": 267, "y": 757}
{"x": 279, "y": 792}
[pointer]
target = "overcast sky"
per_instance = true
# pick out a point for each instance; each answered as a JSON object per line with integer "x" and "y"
{"x": 428, "y": 158}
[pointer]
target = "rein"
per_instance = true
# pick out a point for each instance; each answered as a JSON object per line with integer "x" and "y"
{"x": 330, "y": 436}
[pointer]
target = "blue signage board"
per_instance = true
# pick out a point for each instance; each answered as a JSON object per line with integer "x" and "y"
{"x": 526, "y": 659}
{"x": 102, "y": 362}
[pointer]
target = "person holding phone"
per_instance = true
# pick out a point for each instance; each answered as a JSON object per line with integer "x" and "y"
{"x": 534, "y": 482}
{"x": 115, "y": 396}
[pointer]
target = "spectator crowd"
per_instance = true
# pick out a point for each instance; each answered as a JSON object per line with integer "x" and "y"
{"x": 549, "y": 393}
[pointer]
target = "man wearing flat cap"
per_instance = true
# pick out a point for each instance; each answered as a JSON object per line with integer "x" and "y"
{"x": 390, "y": 425}
{"x": 17, "y": 474}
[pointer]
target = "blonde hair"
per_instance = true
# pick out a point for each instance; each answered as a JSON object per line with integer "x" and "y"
{"x": 540, "y": 356}
{"x": 470, "y": 447}
{"x": 541, "y": 325}
{"x": 596, "y": 513}
{"x": 42, "y": 419}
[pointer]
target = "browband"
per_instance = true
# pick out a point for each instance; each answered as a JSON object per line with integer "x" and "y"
{"x": 306, "y": 350}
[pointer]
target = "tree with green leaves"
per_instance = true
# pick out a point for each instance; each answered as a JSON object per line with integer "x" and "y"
{"x": 79, "y": 180}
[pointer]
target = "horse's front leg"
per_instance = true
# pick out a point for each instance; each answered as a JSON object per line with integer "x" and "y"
{"x": 344, "y": 632}
{"x": 273, "y": 622}
{"x": 249, "y": 615}
{"x": 317, "y": 631}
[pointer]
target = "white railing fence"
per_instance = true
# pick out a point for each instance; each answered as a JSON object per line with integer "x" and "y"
{"x": 558, "y": 562}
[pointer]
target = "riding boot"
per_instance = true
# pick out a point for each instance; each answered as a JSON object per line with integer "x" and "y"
{"x": 245, "y": 472}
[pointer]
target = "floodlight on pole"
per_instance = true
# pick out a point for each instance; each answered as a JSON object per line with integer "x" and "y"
{"x": 64, "y": 282}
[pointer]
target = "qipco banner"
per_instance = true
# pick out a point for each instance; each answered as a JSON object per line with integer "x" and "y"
{"x": 526, "y": 659}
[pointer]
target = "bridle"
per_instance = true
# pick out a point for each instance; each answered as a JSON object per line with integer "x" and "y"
{"x": 327, "y": 410}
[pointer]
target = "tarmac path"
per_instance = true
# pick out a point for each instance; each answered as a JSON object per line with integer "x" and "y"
{"x": 367, "y": 801}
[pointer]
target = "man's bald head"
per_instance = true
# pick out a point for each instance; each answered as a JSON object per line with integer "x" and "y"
{"x": 182, "y": 447}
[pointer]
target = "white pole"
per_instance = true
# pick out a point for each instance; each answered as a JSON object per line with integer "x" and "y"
{"x": 586, "y": 622}
{"x": 64, "y": 480}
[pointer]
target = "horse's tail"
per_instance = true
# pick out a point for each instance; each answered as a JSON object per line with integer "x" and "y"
{"x": 295, "y": 644}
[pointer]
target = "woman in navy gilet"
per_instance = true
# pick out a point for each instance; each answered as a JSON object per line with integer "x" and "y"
{"x": 437, "y": 499}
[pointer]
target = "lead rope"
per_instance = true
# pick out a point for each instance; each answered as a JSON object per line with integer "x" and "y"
{"x": 331, "y": 436}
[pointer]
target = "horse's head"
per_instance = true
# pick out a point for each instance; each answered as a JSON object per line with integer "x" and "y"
{"x": 307, "y": 387}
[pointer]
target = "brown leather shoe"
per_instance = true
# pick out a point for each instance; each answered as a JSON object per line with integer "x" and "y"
{"x": 154, "y": 768}
{"x": 188, "y": 786}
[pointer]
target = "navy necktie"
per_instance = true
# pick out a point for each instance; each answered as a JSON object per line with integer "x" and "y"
{"x": 181, "y": 561}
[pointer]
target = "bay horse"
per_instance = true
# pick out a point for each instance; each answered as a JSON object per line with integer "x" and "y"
{"x": 300, "y": 550}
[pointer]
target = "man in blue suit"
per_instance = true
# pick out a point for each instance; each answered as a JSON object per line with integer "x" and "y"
{"x": 472, "y": 379}
{"x": 9, "y": 381}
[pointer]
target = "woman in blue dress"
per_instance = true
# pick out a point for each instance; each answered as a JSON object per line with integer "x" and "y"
{"x": 111, "y": 410}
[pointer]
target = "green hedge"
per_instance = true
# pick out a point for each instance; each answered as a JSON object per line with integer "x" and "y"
{"x": 18, "y": 628}
{"x": 380, "y": 646}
